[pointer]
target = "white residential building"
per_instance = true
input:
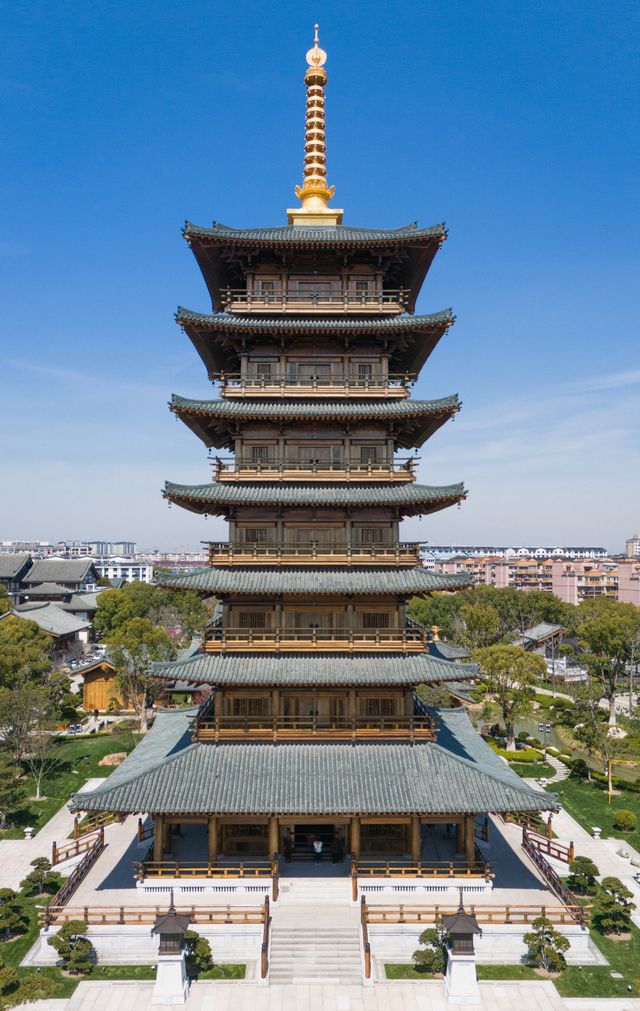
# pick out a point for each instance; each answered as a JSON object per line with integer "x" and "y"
{"x": 128, "y": 569}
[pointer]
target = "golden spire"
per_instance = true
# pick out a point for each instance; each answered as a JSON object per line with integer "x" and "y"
{"x": 314, "y": 194}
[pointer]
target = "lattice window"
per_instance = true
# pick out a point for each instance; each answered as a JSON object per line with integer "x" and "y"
{"x": 256, "y": 535}
{"x": 379, "y": 706}
{"x": 375, "y": 619}
{"x": 252, "y": 619}
{"x": 249, "y": 707}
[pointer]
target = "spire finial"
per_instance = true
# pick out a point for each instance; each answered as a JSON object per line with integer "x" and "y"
{"x": 315, "y": 194}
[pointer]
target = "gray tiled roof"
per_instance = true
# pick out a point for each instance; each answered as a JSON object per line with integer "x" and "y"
{"x": 448, "y": 650}
{"x": 217, "y": 497}
{"x": 293, "y": 779}
{"x": 59, "y": 570}
{"x": 538, "y": 633}
{"x": 50, "y": 618}
{"x": 315, "y": 324}
{"x": 388, "y": 410}
{"x": 312, "y": 669}
{"x": 316, "y": 581}
{"x": 48, "y": 590}
{"x": 11, "y": 565}
{"x": 320, "y": 236}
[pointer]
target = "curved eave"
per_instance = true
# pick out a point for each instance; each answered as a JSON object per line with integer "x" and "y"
{"x": 215, "y": 421}
{"x": 213, "y": 581}
{"x": 216, "y": 499}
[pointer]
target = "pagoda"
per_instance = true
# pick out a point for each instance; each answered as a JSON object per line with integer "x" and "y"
{"x": 311, "y": 727}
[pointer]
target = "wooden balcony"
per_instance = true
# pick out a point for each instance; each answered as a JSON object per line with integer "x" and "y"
{"x": 390, "y": 388}
{"x": 218, "y": 729}
{"x": 391, "y": 301}
{"x": 230, "y": 469}
{"x": 224, "y": 553}
{"x": 335, "y": 640}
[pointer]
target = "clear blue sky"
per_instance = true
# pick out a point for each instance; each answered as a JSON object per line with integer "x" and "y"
{"x": 515, "y": 122}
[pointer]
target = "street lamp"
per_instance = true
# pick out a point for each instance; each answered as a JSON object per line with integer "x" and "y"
{"x": 544, "y": 728}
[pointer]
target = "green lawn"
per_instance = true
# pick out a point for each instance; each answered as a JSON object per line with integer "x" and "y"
{"x": 587, "y": 803}
{"x": 506, "y": 972}
{"x": 530, "y": 771}
{"x": 228, "y": 970}
{"x": 400, "y": 970}
{"x": 79, "y": 758}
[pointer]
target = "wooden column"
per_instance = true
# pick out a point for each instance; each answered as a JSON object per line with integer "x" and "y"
{"x": 469, "y": 839}
{"x": 275, "y": 702}
{"x": 460, "y": 836}
{"x": 212, "y": 830}
{"x": 352, "y": 703}
{"x": 277, "y": 616}
{"x": 158, "y": 836}
{"x": 415, "y": 840}
{"x": 217, "y": 703}
{"x": 168, "y": 844}
{"x": 355, "y": 837}
{"x": 274, "y": 837}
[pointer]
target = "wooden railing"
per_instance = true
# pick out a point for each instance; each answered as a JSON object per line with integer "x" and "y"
{"x": 239, "y": 469}
{"x": 122, "y": 915}
{"x": 366, "y": 946}
{"x": 78, "y": 873}
{"x": 264, "y": 947}
{"x": 272, "y": 554}
{"x": 514, "y": 914}
{"x": 336, "y": 385}
{"x": 73, "y": 848}
{"x": 552, "y": 877}
{"x": 403, "y": 640}
{"x": 91, "y": 822}
{"x": 333, "y": 301}
{"x": 145, "y": 829}
{"x": 548, "y": 846}
{"x": 339, "y": 728}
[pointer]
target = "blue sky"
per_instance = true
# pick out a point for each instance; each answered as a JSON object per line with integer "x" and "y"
{"x": 515, "y": 122}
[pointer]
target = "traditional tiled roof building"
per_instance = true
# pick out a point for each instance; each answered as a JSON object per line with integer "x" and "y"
{"x": 312, "y": 727}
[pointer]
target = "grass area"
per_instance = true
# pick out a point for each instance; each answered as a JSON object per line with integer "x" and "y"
{"x": 79, "y": 761}
{"x": 588, "y": 804}
{"x": 226, "y": 970}
{"x": 400, "y": 970}
{"x": 531, "y": 770}
{"x": 506, "y": 972}
{"x": 121, "y": 972}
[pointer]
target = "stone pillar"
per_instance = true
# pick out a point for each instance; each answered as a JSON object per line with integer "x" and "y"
{"x": 212, "y": 831}
{"x": 469, "y": 839}
{"x": 158, "y": 836}
{"x": 415, "y": 840}
{"x": 461, "y": 982}
{"x": 460, "y": 836}
{"x": 274, "y": 837}
{"x": 172, "y": 985}
{"x": 355, "y": 837}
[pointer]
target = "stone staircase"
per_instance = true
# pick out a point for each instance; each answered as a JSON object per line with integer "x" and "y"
{"x": 314, "y": 954}
{"x": 315, "y": 891}
{"x": 561, "y": 770}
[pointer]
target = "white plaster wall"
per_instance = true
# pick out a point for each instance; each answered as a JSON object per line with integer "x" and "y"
{"x": 448, "y": 888}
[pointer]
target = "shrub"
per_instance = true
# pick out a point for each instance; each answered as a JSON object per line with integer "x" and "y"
{"x": 535, "y": 742}
{"x": 8, "y": 978}
{"x": 41, "y": 879}
{"x": 13, "y": 919}
{"x": 578, "y": 769}
{"x": 613, "y": 909}
{"x": 625, "y": 820}
{"x": 583, "y": 876}
{"x": 76, "y": 951}
{"x": 31, "y": 987}
{"x": 197, "y": 951}
{"x": 523, "y": 736}
{"x": 546, "y": 946}
{"x": 432, "y": 956}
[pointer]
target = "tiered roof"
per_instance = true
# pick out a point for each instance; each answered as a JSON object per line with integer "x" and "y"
{"x": 319, "y": 582}
{"x": 214, "y": 421}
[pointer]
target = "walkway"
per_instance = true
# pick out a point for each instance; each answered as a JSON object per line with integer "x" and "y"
{"x": 16, "y": 854}
{"x": 408, "y": 996}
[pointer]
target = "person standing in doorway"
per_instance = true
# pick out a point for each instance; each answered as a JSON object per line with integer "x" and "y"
{"x": 317, "y": 851}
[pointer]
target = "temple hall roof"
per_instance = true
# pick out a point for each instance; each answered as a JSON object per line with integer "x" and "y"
{"x": 312, "y": 670}
{"x": 315, "y": 581}
{"x": 12, "y": 565}
{"x": 167, "y": 774}
{"x": 448, "y": 650}
{"x": 411, "y": 499}
{"x": 61, "y": 570}
{"x": 50, "y": 617}
{"x": 410, "y": 339}
{"x": 320, "y": 237}
{"x": 214, "y": 421}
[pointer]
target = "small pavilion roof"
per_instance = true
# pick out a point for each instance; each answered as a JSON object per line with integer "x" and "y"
{"x": 410, "y": 339}
{"x": 219, "y": 250}
{"x": 167, "y": 774}
{"x": 538, "y": 634}
{"x": 215, "y": 498}
{"x": 448, "y": 650}
{"x": 51, "y": 618}
{"x": 312, "y": 670}
{"x": 214, "y": 421}
{"x": 316, "y": 581}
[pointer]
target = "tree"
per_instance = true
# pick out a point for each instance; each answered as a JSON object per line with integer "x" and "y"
{"x": 13, "y": 919}
{"x": 197, "y": 951}
{"x": 546, "y": 945}
{"x": 133, "y": 647}
{"x": 511, "y": 673}
{"x": 75, "y": 950}
{"x": 12, "y": 789}
{"x": 25, "y": 652}
{"x": 41, "y": 879}
{"x": 608, "y": 635}
{"x": 438, "y": 609}
{"x": 476, "y": 625}
{"x": 435, "y": 695}
{"x": 65, "y": 702}
{"x": 42, "y": 758}
{"x": 613, "y": 909}
{"x": 592, "y": 731}
{"x": 582, "y": 878}
{"x": 24, "y": 710}
{"x": 432, "y": 956}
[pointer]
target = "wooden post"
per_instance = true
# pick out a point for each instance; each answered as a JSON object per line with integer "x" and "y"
{"x": 212, "y": 839}
{"x": 470, "y": 843}
{"x": 274, "y": 837}
{"x": 158, "y": 836}
{"x": 355, "y": 837}
{"x": 572, "y": 852}
{"x": 460, "y": 836}
{"x": 549, "y": 829}
{"x": 168, "y": 842}
{"x": 275, "y": 702}
{"x": 352, "y": 704}
{"x": 416, "y": 848}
